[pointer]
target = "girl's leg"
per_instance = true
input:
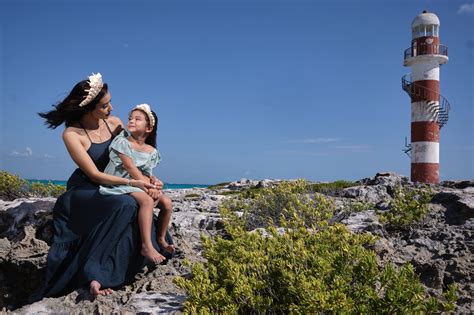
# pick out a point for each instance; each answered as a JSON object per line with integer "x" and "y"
{"x": 145, "y": 218}
{"x": 166, "y": 208}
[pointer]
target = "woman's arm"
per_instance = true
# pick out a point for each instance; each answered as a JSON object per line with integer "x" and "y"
{"x": 85, "y": 163}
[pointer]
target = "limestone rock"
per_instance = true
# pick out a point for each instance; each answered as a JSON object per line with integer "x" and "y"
{"x": 440, "y": 248}
{"x": 365, "y": 221}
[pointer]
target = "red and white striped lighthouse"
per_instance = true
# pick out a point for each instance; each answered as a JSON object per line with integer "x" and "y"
{"x": 429, "y": 110}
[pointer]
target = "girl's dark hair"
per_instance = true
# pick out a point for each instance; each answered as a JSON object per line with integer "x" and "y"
{"x": 151, "y": 138}
{"x": 68, "y": 111}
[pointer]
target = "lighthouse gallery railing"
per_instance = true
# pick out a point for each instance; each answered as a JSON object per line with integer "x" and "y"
{"x": 422, "y": 92}
{"x": 426, "y": 49}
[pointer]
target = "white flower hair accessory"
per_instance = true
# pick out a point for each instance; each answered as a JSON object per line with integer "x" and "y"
{"x": 95, "y": 84}
{"x": 146, "y": 108}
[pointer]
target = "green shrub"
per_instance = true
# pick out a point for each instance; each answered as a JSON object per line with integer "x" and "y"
{"x": 192, "y": 196}
{"x": 331, "y": 189}
{"x": 358, "y": 206}
{"x": 218, "y": 186}
{"x": 12, "y": 187}
{"x": 408, "y": 206}
{"x": 229, "y": 192}
{"x": 246, "y": 193}
{"x": 37, "y": 189}
{"x": 302, "y": 267}
{"x": 269, "y": 206}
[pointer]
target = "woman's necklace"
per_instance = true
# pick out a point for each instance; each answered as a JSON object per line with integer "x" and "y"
{"x": 98, "y": 132}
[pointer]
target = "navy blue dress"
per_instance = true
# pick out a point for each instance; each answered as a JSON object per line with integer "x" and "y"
{"x": 96, "y": 237}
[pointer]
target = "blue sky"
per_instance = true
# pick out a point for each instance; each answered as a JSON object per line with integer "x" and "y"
{"x": 254, "y": 89}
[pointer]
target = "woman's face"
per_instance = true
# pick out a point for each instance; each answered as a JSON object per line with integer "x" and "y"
{"x": 137, "y": 122}
{"x": 103, "y": 109}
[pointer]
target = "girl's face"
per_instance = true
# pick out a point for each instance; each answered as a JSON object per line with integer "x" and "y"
{"x": 137, "y": 122}
{"x": 103, "y": 109}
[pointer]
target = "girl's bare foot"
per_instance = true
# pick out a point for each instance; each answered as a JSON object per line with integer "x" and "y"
{"x": 151, "y": 253}
{"x": 167, "y": 247}
{"x": 95, "y": 289}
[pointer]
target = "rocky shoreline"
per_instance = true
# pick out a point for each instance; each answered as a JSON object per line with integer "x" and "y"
{"x": 440, "y": 248}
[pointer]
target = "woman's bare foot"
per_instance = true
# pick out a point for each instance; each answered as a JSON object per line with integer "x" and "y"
{"x": 151, "y": 253}
{"x": 167, "y": 247}
{"x": 95, "y": 289}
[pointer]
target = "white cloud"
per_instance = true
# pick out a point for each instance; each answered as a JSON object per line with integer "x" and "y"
{"x": 27, "y": 152}
{"x": 47, "y": 156}
{"x": 317, "y": 140}
{"x": 466, "y": 9}
{"x": 354, "y": 148}
{"x": 298, "y": 152}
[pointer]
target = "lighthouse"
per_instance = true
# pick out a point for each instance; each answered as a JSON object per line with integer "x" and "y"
{"x": 429, "y": 109}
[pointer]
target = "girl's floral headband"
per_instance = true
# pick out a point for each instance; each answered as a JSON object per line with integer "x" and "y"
{"x": 146, "y": 108}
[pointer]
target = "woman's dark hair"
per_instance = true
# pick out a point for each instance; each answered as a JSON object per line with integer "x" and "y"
{"x": 151, "y": 138}
{"x": 68, "y": 111}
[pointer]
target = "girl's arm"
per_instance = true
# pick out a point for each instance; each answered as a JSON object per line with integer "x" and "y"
{"x": 131, "y": 168}
{"x": 85, "y": 163}
{"x": 155, "y": 181}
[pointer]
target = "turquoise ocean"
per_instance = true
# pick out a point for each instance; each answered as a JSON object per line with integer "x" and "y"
{"x": 166, "y": 185}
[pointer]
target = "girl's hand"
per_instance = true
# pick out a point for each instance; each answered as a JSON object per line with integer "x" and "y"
{"x": 141, "y": 184}
{"x": 155, "y": 181}
{"x": 155, "y": 193}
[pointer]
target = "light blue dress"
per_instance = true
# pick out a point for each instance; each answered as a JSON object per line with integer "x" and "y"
{"x": 144, "y": 161}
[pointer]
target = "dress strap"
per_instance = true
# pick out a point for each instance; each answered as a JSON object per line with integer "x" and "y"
{"x": 85, "y": 131}
{"x": 108, "y": 128}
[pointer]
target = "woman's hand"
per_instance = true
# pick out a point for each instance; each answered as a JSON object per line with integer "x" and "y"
{"x": 143, "y": 185}
{"x": 155, "y": 193}
{"x": 155, "y": 181}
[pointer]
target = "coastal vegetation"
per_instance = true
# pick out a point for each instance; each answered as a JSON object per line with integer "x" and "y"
{"x": 218, "y": 186}
{"x": 275, "y": 206}
{"x": 408, "y": 206}
{"x": 246, "y": 193}
{"x": 332, "y": 188}
{"x": 12, "y": 187}
{"x": 192, "y": 196}
{"x": 358, "y": 206}
{"x": 280, "y": 254}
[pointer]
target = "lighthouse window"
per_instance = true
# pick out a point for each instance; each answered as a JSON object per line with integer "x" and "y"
{"x": 422, "y": 30}
{"x": 425, "y": 30}
{"x": 416, "y": 31}
{"x": 430, "y": 30}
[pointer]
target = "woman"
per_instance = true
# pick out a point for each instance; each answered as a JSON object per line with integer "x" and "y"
{"x": 96, "y": 240}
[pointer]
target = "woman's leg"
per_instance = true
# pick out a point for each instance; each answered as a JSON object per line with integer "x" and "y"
{"x": 95, "y": 289}
{"x": 166, "y": 208}
{"x": 145, "y": 218}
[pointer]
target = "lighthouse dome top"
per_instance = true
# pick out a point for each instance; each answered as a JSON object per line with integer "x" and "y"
{"x": 425, "y": 18}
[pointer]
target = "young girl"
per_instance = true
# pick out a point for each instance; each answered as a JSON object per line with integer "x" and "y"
{"x": 133, "y": 157}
